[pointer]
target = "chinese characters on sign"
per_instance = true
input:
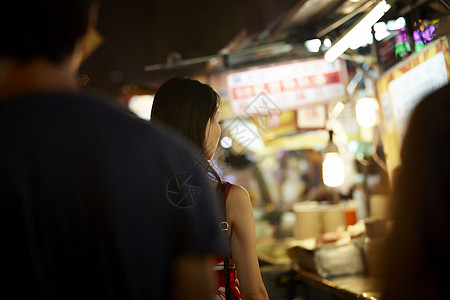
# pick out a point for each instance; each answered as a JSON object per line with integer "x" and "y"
{"x": 289, "y": 85}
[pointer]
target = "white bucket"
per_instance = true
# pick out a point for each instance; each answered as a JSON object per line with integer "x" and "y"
{"x": 333, "y": 217}
{"x": 308, "y": 223}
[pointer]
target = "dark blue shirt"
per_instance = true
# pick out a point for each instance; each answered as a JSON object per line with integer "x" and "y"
{"x": 95, "y": 203}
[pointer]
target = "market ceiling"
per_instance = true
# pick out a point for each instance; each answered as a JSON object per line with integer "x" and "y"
{"x": 138, "y": 33}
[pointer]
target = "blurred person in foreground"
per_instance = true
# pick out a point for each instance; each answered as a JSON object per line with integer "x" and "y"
{"x": 90, "y": 203}
{"x": 192, "y": 109}
{"x": 418, "y": 261}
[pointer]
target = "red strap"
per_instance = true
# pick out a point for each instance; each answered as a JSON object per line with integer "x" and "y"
{"x": 227, "y": 190}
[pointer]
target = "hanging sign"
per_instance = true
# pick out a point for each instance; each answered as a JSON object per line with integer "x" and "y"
{"x": 312, "y": 117}
{"x": 402, "y": 87}
{"x": 286, "y": 86}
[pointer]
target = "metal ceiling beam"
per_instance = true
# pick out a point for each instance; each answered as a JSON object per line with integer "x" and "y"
{"x": 330, "y": 9}
{"x": 347, "y": 17}
{"x": 277, "y": 48}
{"x": 289, "y": 17}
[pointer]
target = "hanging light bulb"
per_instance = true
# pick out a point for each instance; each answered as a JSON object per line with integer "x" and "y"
{"x": 366, "y": 112}
{"x": 332, "y": 166}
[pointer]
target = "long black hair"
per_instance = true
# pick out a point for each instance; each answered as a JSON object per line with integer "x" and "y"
{"x": 185, "y": 105}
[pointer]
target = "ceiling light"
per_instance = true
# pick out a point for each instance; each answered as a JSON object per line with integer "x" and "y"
{"x": 366, "y": 112}
{"x": 397, "y": 24}
{"x": 381, "y": 31}
{"x": 366, "y": 22}
{"x": 313, "y": 45}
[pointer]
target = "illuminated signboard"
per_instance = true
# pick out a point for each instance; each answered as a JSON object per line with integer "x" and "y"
{"x": 402, "y": 87}
{"x": 286, "y": 86}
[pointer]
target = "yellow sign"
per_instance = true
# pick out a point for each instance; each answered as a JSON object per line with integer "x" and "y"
{"x": 403, "y": 86}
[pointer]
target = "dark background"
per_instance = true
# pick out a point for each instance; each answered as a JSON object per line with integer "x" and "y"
{"x": 142, "y": 32}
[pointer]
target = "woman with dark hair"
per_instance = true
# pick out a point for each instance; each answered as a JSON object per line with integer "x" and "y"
{"x": 418, "y": 264}
{"x": 192, "y": 109}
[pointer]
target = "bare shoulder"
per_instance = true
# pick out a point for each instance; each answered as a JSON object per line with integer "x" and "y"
{"x": 238, "y": 192}
{"x": 238, "y": 202}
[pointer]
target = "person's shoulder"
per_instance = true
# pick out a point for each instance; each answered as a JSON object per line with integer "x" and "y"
{"x": 62, "y": 101}
{"x": 238, "y": 196}
{"x": 177, "y": 140}
{"x": 104, "y": 103}
{"x": 239, "y": 206}
{"x": 126, "y": 118}
{"x": 238, "y": 191}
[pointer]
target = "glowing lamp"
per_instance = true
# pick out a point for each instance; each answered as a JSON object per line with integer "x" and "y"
{"x": 332, "y": 165}
{"x": 365, "y": 23}
{"x": 366, "y": 112}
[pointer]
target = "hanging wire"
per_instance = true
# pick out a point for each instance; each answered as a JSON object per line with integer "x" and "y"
{"x": 375, "y": 156}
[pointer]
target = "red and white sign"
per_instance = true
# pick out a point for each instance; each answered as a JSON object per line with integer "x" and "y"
{"x": 286, "y": 86}
{"x": 312, "y": 117}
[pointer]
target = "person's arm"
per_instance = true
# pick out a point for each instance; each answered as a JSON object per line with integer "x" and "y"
{"x": 194, "y": 278}
{"x": 243, "y": 244}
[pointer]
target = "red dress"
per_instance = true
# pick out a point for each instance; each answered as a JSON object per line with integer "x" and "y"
{"x": 219, "y": 268}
